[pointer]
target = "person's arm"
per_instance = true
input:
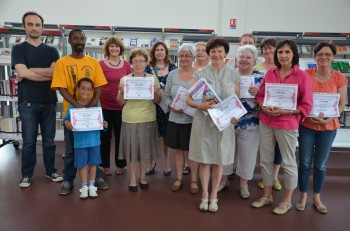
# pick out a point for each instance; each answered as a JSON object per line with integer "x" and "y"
{"x": 24, "y": 73}
{"x": 47, "y": 72}
{"x": 157, "y": 94}
{"x": 343, "y": 94}
{"x": 96, "y": 97}
{"x": 65, "y": 94}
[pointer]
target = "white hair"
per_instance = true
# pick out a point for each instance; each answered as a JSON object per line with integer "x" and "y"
{"x": 248, "y": 48}
{"x": 187, "y": 47}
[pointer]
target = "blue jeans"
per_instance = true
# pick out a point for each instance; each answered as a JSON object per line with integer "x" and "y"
{"x": 70, "y": 171}
{"x": 33, "y": 114}
{"x": 314, "y": 146}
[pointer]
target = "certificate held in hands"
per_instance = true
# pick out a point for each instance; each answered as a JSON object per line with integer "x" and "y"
{"x": 180, "y": 102}
{"x": 225, "y": 110}
{"x": 86, "y": 119}
{"x": 138, "y": 88}
{"x": 325, "y": 103}
{"x": 281, "y": 95}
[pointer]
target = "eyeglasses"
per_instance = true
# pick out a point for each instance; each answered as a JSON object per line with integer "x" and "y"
{"x": 185, "y": 56}
{"x": 248, "y": 58}
{"x": 328, "y": 55}
{"x": 85, "y": 89}
{"x": 138, "y": 61}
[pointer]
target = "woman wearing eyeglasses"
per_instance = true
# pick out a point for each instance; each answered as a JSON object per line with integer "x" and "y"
{"x": 281, "y": 125}
{"x": 177, "y": 135}
{"x": 316, "y": 134}
{"x": 160, "y": 65}
{"x": 138, "y": 138}
{"x": 208, "y": 146}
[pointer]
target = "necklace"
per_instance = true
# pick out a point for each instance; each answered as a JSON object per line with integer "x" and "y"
{"x": 160, "y": 68}
{"x": 325, "y": 77}
{"x": 113, "y": 64}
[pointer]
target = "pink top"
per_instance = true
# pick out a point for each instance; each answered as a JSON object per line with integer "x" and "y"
{"x": 304, "y": 98}
{"x": 336, "y": 81}
{"x": 109, "y": 92}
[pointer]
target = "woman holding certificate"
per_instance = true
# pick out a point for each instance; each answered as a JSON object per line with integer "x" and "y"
{"x": 208, "y": 146}
{"x": 285, "y": 98}
{"x": 177, "y": 135}
{"x": 138, "y": 139}
{"x": 114, "y": 68}
{"x": 160, "y": 65}
{"x": 317, "y": 132}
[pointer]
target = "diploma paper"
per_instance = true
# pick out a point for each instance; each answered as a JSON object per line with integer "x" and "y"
{"x": 246, "y": 83}
{"x": 86, "y": 119}
{"x": 225, "y": 110}
{"x": 326, "y": 103}
{"x": 138, "y": 88}
{"x": 281, "y": 95}
{"x": 180, "y": 102}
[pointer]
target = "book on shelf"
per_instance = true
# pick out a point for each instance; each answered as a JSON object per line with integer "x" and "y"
{"x": 9, "y": 87}
{"x": 133, "y": 42}
{"x": 102, "y": 41}
{"x": 49, "y": 40}
{"x": 342, "y": 66}
{"x": 8, "y": 124}
{"x": 93, "y": 41}
{"x": 5, "y": 56}
{"x": 17, "y": 39}
{"x": 173, "y": 43}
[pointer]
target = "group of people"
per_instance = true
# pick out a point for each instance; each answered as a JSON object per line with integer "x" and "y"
{"x": 144, "y": 129}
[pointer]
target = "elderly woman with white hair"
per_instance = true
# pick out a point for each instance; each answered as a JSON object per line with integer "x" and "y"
{"x": 247, "y": 134}
{"x": 178, "y": 132}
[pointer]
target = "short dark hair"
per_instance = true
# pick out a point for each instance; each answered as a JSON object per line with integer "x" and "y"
{"x": 86, "y": 79}
{"x": 268, "y": 42}
{"x": 73, "y": 31}
{"x": 32, "y": 13}
{"x": 217, "y": 42}
{"x": 293, "y": 47}
{"x": 322, "y": 44}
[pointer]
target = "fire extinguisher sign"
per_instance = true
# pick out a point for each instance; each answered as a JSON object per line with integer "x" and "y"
{"x": 233, "y": 23}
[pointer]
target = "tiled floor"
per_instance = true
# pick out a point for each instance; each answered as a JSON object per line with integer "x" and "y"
{"x": 39, "y": 207}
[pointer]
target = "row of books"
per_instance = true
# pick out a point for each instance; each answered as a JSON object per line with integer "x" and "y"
{"x": 14, "y": 124}
{"x": 134, "y": 42}
{"x": 342, "y": 66}
{"x": 51, "y": 40}
{"x": 9, "y": 87}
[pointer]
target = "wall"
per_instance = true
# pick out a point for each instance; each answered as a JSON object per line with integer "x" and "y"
{"x": 263, "y": 15}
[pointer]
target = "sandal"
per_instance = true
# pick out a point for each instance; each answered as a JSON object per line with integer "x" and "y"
{"x": 213, "y": 205}
{"x": 321, "y": 208}
{"x": 186, "y": 170}
{"x": 176, "y": 187}
{"x": 107, "y": 171}
{"x": 203, "y": 206}
{"x": 194, "y": 190}
{"x": 282, "y": 208}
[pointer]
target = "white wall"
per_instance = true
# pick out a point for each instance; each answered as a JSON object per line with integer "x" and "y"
{"x": 263, "y": 15}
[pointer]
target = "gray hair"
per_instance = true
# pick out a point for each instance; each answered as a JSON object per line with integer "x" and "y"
{"x": 200, "y": 43}
{"x": 248, "y": 48}
{"x": 187, "y": 47}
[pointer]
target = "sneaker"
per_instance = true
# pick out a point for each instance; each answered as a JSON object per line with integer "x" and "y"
{"x": 101, "y": 184}
{"x": 92, "y": 191}
{"x": 25, "y": 182}
{"x": 55, "y": 177}
{"x": 84, "y": 192}
{"x": 66, "y": 188}
{"x": 244, "y": 191}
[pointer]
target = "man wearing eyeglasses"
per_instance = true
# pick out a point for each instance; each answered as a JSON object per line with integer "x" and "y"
{"x": 68, "y": 71}
{"x": 34, "y": 62}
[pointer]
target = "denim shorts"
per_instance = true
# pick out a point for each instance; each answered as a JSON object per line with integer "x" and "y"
{"x": 87, "y": 156}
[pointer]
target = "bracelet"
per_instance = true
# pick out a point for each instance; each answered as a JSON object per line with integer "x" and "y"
{"x": 291, "y": 112}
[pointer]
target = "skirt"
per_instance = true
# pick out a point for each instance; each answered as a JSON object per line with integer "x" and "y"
{"x": 139, "y": 142}
{"x": 177, "y": 136}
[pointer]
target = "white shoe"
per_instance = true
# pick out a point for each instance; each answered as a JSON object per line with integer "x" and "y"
{"x": 84, "y": 192}
{"x": 244, "y": 191}
{"x": 203, "y": 206}
{"x": 92, "y": 191}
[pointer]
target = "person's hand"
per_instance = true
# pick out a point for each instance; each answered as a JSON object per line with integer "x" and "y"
{"x": 175, "y": 109}
{"x": 105, "y": 124}
{"x": 272, "y": 111}
{"x": 19, "y": 78}
{"x": 234, "y": 120}
{"x": 204, "y": 106}
{"x": 156, "y": 88}
{"x": 253, "y": 91}
{"x": 320, "y": 119}
{"x": 68, "y": 125}
{"x": 121, "y": 88}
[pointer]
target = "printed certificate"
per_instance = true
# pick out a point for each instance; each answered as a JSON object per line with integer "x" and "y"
{"x": 326, "y": 103}
{"x": 246, "y": 83}
{"x": 281, "y": 95}
{"x": 180, "y": 102}
{"x": 225, "y": 110}
{"x": 86, "y": 119}
{"x": 138, "y": 88}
